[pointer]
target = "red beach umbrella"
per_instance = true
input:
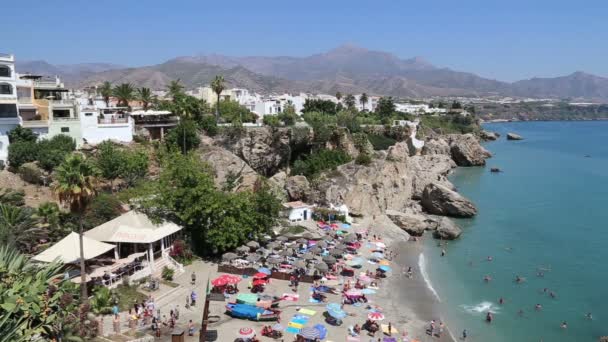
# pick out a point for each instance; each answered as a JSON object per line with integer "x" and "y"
{"x": 260, "y": 275}
{"x": 375, "y": 316}
{"x": 246, "y": 333}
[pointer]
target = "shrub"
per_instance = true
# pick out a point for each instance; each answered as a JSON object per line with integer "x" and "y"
{"x": 208, "y": 124}
{"x": 21, "y": 152}
{"x": 31, "y": 173}
{"x": 380, "y": 142}
{"x": 103, "y": 208}
{"x": 167, "y": 273}
{"x": 49, "y": 156}
{"x": 101, "y": 303}
{"x": 319, "y": 161}
{"x": 363, "y": 159}
{"x": 184, "y": 137}
{"x": 271, "y": 120}
{"x": 21, "y": 134}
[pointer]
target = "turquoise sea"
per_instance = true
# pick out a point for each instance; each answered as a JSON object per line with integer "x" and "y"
{"x": 549, "y": 210}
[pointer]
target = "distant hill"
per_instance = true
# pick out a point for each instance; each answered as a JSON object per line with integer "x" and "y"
{"x": 348, "y": 69}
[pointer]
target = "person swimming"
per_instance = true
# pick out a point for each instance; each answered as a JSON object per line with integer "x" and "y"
{"x": 564, "y": 325}
{"x": 538, "y": 307}
{"x": 489, "y": 317}
{"x": 501, "y": 301}
{"x": 487, "y": 279}
{"x": 552, "y": 295}
{"x": 589, "y": 316}
{"x": 519, "y": 279}
{"x": 520, "y": 312}
{"x": 489, "y": 258}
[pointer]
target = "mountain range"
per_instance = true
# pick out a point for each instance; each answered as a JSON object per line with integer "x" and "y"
{"x": 348, "y": 69}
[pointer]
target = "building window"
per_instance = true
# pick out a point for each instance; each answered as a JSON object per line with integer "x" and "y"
{"x": 65, "y": 129}
{"x": 8, "y": 110}
{"x": 88, "y": 114}
{"x": 6, "y": 89}
{"x": 5, "y": 71}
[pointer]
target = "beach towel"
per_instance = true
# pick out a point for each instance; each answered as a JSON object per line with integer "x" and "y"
{"x": 290, "y": 297}
{"x": 353, "y": 339}
{"x": 292, "y": 330}
{"x": 308, "y": 312}
{"x": 295, "y": 325}
{"x": 300, "y": 317}
{"x": 384, "y": 328}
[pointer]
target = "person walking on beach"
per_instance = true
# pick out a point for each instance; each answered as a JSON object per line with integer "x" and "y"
{"x": 464, "y": 335}
{"x": 390, "y": 329}
{"x": 193, "y": 278}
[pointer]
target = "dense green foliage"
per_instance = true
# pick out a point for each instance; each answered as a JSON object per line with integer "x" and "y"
{"x": 19, "y": 228}
{"x": 319, "y": 161}
{"x": 101, "y": 303}
{"x": 363, "y": 159}
{"x": 380, "y": 142}
{"x": 21, "y": 134}
{"x": 385, "y": 108}
{"x": 48, "y": 152}
{"x": 215, "y": 220}
{"x": 167, "y": 273}
{"x": 322, "y": 106}
{"x": 35, "y": 303}
{"x": 447, "y": 124}
{"x": 124, "y": 93}
{"x": 12, "y": 197}
{"x": 541, "y": 111}
{"x": 208, "y": 125}
{"x": 183, "y": 137}
{"x": 115, "y": 162}
{"x": 103, "y": 208}
{"x": 232, "y": 111}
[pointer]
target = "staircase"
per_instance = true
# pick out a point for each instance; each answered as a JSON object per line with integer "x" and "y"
{"x": 167, "y": 261}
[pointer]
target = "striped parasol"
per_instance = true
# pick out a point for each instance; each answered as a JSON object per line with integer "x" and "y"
{"x": 309, "y": 333}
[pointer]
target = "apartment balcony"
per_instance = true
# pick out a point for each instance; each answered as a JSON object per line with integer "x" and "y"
{"x": 35, "y": 123}
{"x": 156, "y": 121}
{"x": 112, "y": 121}
{"x": 65, "y": 119}
{"x": 62, "y": 103}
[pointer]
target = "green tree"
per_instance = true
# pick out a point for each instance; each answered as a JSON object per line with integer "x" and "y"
{"x": 109, "y": 161}
{"x": 338, "y": 95}
{"x": 386, "y": 107}
{"x": 456, "y": 105}
{"x": 106, "y": 92}
{"x": 363, "y": 99}
{"x": 312, "y": 165}
{"x": 271, "y": 120}
{"x": 218, "y": 86}
{"x": 145, "y": 96}
{"x": 348, "y": 119}
{"x": 350, "y": 101}
{"x": 21, "y": 152}
{"x": 75, "y": 185}
{"x": 35, "y": 302}
{"x": 175, "y": 89}
{"x": 322, "y": 106}
{"x": 183, "y": 137}
{"x": 232, "y": 110}
{"x": 134, "y": 166}
{"x": 288, "y": 116}
{"x": 49, "y": 216}
{"x": 52, "y": 152}
{"x": 103, "y": 208}
{"x": 19, "y": 228}
{"x": 124, "y": 93}
{"x": 19, "y": 133}
{"x": 209, "y": 125}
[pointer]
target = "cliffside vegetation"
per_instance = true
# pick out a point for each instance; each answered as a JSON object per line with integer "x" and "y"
{"x": 541, "y": 111}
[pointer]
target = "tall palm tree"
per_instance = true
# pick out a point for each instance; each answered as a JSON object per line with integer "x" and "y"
{"x": 145, "y": 96}
{"x": 218, "y": 86}
{"x": 124, "y": 93}
{"x": 363, "y": 99}
{"x": 175, "y": 88}
{"x": 19, "y": 228}
{"x": 75, "y": 182}
{"x": 349, "y": 101}
{"x": 106, "y": 92}
{"x": 339, "y": 95}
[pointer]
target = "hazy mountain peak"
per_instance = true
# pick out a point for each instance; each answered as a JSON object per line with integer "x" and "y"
{"x": 347, "y": 48}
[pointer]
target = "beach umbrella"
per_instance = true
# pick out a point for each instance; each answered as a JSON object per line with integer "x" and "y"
{"x": 278, "y": 327}
{"x": 253, "y": 257}
{"x": 229, "y": 256}
{"x": 282, "y": 238}
{"x": 345, "y": 226}
{"x": 384, "y": 268}
{"x": 301, "y": 240}
{"x": 384, "y": 262}
{"x": 329, "y": 260}
{"x": 322, "y": 244}
{"x": 265, "y": 270}
{"x": 308, "y": 256}
{"x": 337, "y": 314}
{"x": 299, "y": 264}
{"x": 253, "y": 244}
{"x": 260, "y": 275}
{"x": 246, "y": 333}
{"x": 336, "y": 252}
{"x": 378, "y": 255}
{"x": 355, "y": 262}
{"x": 322, "y": 330}
{"x": 225, "y": 279}
{"x": 322, "y": 267}
{"x": 309, "y": 333}
{"x": 375, "y": 316}
{"x": 243, "y": 249}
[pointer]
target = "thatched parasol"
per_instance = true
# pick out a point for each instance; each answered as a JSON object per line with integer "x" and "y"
{"x": 322, "y": 267}
{"x": 229, "y": 256}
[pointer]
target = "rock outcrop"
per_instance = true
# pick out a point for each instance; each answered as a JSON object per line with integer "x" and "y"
{"x": 488, "y": 136}
{"x": 440, "y": 200}
{"x": 298, "y": 188}
{"x": 436, "y": 146}
{"x": 226, "y": 165}
{"x": 399, "y": 152}
{"x": 466, "y": 150}
{"x": 427, "y": 169}
{"x": 513, "y": 136}
{"x": 447, "y": 229}
{"x": 414, "y": 223}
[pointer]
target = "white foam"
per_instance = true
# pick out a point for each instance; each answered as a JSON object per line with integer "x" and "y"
{"x": 425, "y": 276}
{"x": 480, "y": 308}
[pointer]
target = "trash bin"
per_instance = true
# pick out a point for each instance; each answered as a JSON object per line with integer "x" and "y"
{"x": 177, "y": 336}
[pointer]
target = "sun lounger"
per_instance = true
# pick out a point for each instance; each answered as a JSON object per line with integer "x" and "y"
{"x": 308, "y": 312}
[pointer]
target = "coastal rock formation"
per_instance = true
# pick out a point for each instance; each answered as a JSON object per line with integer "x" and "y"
{"x": 447, "y": 229}
{"x": 277, "y": 182}
{"x": 367, "y": 190}
{"x": 298, "y": 188}
{"x": 488, "y": 135}
{"x": 427, "y": 169}
{"x": 436, "y": 146}
{"x": 399, "y": 152}
{"x": 264, "y": 149}
{"x": 513, "y": 136}
{"x": 466, "y": 150}
{"x": 412, "y": 222}
{"x": 227, "y": 165}
{"x": 440, "y": 200}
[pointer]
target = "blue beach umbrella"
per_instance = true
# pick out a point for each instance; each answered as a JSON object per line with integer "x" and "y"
{"x": 309, "y": 333}
{"x": 322, "y": 331}
{"x": 333, "y": 306}
{"x": 345, "y": 226}
{"x": 384, "y": 268}
{"x": 378, "y": 255}
{"x": 264, "y": 270}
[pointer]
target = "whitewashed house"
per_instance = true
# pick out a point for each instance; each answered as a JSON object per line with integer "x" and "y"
{"x": 99, "y": 124}
{"x": 297, "y": 211}
{"x": 9, "y": 114}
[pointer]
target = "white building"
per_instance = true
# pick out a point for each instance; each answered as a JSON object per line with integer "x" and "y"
{"x": 9, "y": 113}
{"x": 297, "y": 211}
{"x": 99, "y": 124}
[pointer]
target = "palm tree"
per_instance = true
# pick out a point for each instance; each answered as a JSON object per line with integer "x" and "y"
{"x": 19, "y": 228}
{"x": 106, "y": 92}
{"x": 124, "y": 93}
{"x": 339, "y": 95}
{"x": 218, "y": 86}
{"x": 74, "y": 185}
{"x": 175, "y": 88}
{"x": 349, "y": 101}
{"x": 145, "y": 96}
{"x": 363, "y": 99}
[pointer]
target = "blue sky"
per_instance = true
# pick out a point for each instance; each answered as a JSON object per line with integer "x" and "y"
{"x": 505, "y": 40}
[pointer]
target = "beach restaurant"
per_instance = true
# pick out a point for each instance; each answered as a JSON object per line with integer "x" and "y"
{"x": 134, "y": 232}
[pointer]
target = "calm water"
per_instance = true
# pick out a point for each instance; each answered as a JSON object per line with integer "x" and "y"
{"x": 550, "y": 207}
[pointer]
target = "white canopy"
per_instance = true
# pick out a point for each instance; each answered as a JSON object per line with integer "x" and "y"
{"x": 132, "y": 227}
{"x": 67, "y": 250}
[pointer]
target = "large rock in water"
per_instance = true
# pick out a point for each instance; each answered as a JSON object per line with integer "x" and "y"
{"x": 440, "y": 200}
{"x": 413, "y": 223}
{"x": 447, "y": 229}
{"x": 513, "y": 136}
{"x": 298, "y": 188}
{"x": 488, "y": 136}
{"x": 466, "y": 150}
{"x": 226, "y": 165}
